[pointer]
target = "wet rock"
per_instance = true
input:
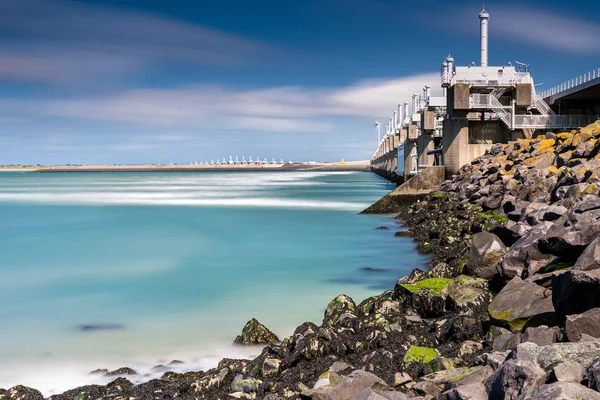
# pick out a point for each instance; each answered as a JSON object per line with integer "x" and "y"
{"x": 122, "y": 372}
{"x": 513, "y": 379}
{"x": 337, "y": 307}
{"x": 247, "y": 385}
{"x": 575, "y": 292}
{"x": 541, "y": 335}
{"x": 562, "y": 391}
{"x": 256, "y": 333}
{"x": 270, "y": 366}
{"x": 100, "y": 327}
{"x": 21, "y": 392}
{"x": 426, "y": 296}
{"x": 521, "y": 303}
{"x": 586, "y": 323}
{"x": 100, "y": 371}
{"x": 485, "y": 252}
{"x": 175, "y": 362}
{"x": 568, "y": 371}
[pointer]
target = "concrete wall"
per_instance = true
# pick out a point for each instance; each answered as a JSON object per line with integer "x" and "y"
{"x": 424, "y": 144}
{"x": 427, "y": 180}
{"x": 456, "y": 141}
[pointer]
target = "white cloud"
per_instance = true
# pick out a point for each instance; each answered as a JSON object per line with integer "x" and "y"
{"x": 284, "y": 109}
{"x": 551, "y": 30}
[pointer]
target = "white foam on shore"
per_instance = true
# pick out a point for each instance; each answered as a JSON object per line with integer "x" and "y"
{"x": 53, "y": 377}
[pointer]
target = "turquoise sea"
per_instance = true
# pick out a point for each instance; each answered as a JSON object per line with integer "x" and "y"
{"x": 174, "y": 264}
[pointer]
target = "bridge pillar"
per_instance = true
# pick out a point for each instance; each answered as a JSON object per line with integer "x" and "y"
{"x": 456, "y": 142}
{"x": 424, "y": 144}
{"x": 409, "y": 162}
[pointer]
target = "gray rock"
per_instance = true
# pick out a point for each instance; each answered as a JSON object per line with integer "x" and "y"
{"x": 486, "y": 250}
{"x": 575, "y": 292}
{"x": 514, "y": 378}
{"x": 554, "y": 212}
{"x": 426, "y": 388}
{"x": 586, "y": 323}
{"x": 349, "y": 387}
{"x": 521, "y": 303}
{"x": 495, "y": 359}
{"x": 562, "y": 391}
{"x": 590, "y": 258}
{"x": 525, "y": 253}
{"x": 401, "y": 378}
{"x": 550, "y": 356}
{"x": 374, "y": 394}
{"x": 541, "y": 335}
{"x": 593, "y": 374}
{"x": 494, "y": 332}
{"x": 475, "y": 391}
{"x": 568, "y": 371}
{"x": 506, "y": 342}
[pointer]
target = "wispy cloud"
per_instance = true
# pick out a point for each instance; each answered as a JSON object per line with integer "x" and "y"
{"x": 537, "y": 26}
{"x": 284, "y": 109}
{"x": 60, "y": 41}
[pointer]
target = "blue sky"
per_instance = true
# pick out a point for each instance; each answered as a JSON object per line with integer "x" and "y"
{"x": 136, "y": 81}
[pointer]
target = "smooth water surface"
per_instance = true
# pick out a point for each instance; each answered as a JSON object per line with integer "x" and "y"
{"x": 172, "y": 265}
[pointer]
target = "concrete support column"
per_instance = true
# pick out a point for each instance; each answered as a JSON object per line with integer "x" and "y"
{"x": 409, "y": 163}
{"x": 456, "y": 142}
{"x": 424, "y": 144}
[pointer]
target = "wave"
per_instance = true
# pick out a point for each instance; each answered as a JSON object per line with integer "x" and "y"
{"x": 167, "y": 199}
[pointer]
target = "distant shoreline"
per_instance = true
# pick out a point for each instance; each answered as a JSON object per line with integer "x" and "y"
{"x": 312, "y": 167}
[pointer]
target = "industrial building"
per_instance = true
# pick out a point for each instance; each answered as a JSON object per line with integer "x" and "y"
{"x": 480, "y": 105}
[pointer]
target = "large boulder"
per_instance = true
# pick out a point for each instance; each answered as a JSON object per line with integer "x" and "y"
{"x": 541, "y": 335}
{"x": 468, "y": 296}
{"x": 21, "y": 392}
{"x": 590, "y": 258}
{"x": 568, "y": 371}
{"x": 548, "y": 357}
{"x": 427, "y": 297}
{"x": 349, "y": 387}
{"x": 575, "y": 292}
{"x": 525, "y": 254}
{"x": 256, "y": 333}
{"x": 520, "y": 304}
{"x": 562, "y": 391}
{"x": 486, "y": 250}
{"x": 337, "y": 307}
{"x": 513, "y": 379}
{"x": 586, "y": 323}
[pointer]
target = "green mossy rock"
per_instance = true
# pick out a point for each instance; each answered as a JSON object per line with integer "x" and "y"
{"x": 256, "y": 333}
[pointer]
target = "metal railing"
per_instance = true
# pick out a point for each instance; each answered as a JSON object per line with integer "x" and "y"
{"x": 553, "y": 121}
{"x": 580, "y": 80}
{"x": 486, "y": 101}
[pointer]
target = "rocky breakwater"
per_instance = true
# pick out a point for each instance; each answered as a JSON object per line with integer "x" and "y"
{"x": 509, "y": 310}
